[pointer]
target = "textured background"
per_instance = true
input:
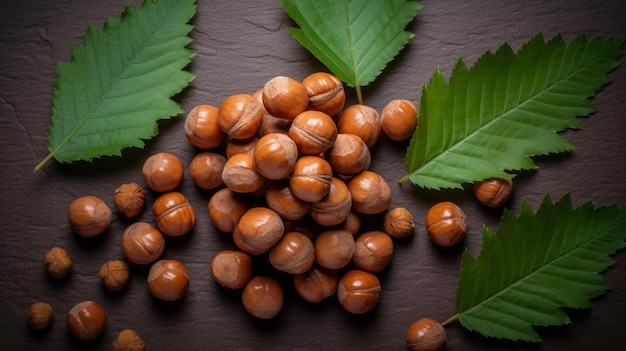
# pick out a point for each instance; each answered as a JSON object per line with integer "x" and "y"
{"x": 239, "y": 48}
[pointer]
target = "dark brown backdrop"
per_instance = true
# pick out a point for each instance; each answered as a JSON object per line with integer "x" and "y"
{"x": 239, "y": 47}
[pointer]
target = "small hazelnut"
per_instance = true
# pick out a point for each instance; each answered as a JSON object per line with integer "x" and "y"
{"x": 237, "y": 146}
{"x": 142, "y": 243}
{"x": 271, "y": 124}
{"x": 358, "y": 291}
{"x": 168, "y": 280}
{"x": 281, "y": 199}
{"x": 317, "y": 283}
{"x": 240, "y": 116}
{"x": 114, "y": 275}
{"x": 373, "y": 251}
{"x": 446, "y": 223}
{"x": 370, "y": 193}
{"x": 162, "y": 172}
{"x": 226, "y": 208}
{"x": 58, "y": 262}
{"x": 326, "y": 93}
{"x": 349, "y": 155}
{"x": 334, "y": 248}
{"x": 494, "y": 192}
{"x": 128, "y": 340}
{"x": 352, "y": 223}
{"x": 206, "y": 169}
{"x": 89, "y": 216}
{"x": 86, "y": 321}
{"x": 129, "y": 199}
{"x": 311, "y": 178}
{"x": 285, "y": 97}
{"x": 240, "y": 174}
{"x": 335, "y": 207}
{"x": 314, "y": 132}
{"x": 258, "y": 230}
{"x": 425, "y": 334}
{"x": 202, "y": 129}
{"x": 40, "y": 315}
{"x": 275, "y": 156}
{"x": 173, "y": 214}
{"x": 398, "y": 223}
{"x": 232, "y": 269}
{"x": 361, "y": 120}
{"x": 263, "y": 297}
{"x": 399, "y": 119}
{"x": 294, "y": 253}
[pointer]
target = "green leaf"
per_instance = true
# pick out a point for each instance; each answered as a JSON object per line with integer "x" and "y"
{"x": 535, "y": 264}
{"x": 354, "y": 39}
{"x": 120, "y": 82}
{"x": 506, "y": 109}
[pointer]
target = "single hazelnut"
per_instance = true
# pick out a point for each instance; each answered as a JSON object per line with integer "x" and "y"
{"x": 240, "y": 175}
{"x": 142, "y": 243}
{"x": 335, "y": 207}
{"x": 162, "y": 172}
{"x": 373, "y": 251}
{"x": 128, "y": 340}
{"x": 86, "y": 321}
{"x": 446, "y": 223}
{"x": 114, "y": 275}
{"x": 494, "y": 192}
{"x": 370, "y": 193}
{"x": 275, "y": 156}
{"x": 237, "y": 146}
{"x": 232, "y": 269}
{"x": 314, "y": 132}
{"x": 258, "y": 230}
{"x": 206, "y": 169}
{"x": 362, "y": 121}
{"x": 398, "y": 223}
{"x": 40, "y": 315}
{"x": 89, "y": 216}
{"x": 326, "y": 93}
{"x": 173, "y": 214}
{"x": 358, "y": 291}
{"x": 129, "y": 199}
{"x": 58, "y": 262}
{"x": 281, "y": 199}
{"x": 352, "y": 223}
{"x": 334, "y": 248}
{"x": 311, "y": 178}
{"x": 226, "y": 208}
{"x": 240, "y": 116}
{"x": 399, "y": 119}
{"x": 168, "y": 280}
{"x": 263, "y": 297}
{"x": 294, "y": 253}
{"x": 317, "y": 283}
{"x": 285, "y": 97}
{"x": 425, "y": 334}
{"x": 271, "y": 124}
{"x": 202, "y": 129}
{"x": 349, "y": 155}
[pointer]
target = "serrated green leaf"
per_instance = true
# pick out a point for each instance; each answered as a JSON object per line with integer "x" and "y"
{"x": 354, "y": 39}
{"x": 506, "y": 109}
{"x": 535, "y": 264}
{"x": 120, "y": 82}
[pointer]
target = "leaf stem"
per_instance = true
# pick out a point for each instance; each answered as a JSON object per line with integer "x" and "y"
{"x": 404, "y": 179}
{"x": 43, "y": 162}
{"x": 450, "y": 320}
{"x": 359, "y": 95}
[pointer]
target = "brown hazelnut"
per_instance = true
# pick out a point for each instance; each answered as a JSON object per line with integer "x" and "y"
{"x": 240, "y": 175}
{"x": 314, "y": 132}
{"x": 362, "y": 121}
{"x": 226, "y": 208}
{"x": 349, "y": 155}
{"x": 202, "y": 129}
{"x": 168, "y": 280}
{"x": 280, "y": 198}
{"x": 446, "y": 223}
{"x": 58, "y": 262}
{"x": 232, "y": 269}
{"x": 206, "y": 169}
{"x": 317, "y": 283}
{"x": 352, "y": 223}
{"x": 40, "y": 315}
{"x": 142, "y": 243}
{"x": 311, "y": 178}
{"x": 275, "y": 156}
{"x": 285, "y": 97}
{"x": 86, "y": 321}
{"x": 399, "y": 119}
{"x": 271, "y": 124}
{"x": 334, "y": 248}
{"x": 114, "y": 275}
{"x": 237, "y": 146}
{"x": 162, "y": 172}
{"x": 129, "y": 199}
{"x": 358, "y": 291}
{"x": 263, "y": 297}
{"x": 240, "y": 116}
{"x": 173, "y": 214}
{"x": 425, "y": 334}
{"x": 89, "y": 216}
{"x": 326, "y": 93}
{"x": 494, "y": 192}
{"x": 335, "y": 207}
{"x": 398, "y": 223}
{"x": 128, "y": 340}
{"x": 294, "y": 253}
{"x": 258, "y": 230}
{"x": 370, "y": 193}
{"x": 373, "y": 251}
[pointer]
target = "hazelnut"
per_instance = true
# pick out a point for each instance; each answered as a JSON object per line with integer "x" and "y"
{"x": 280, "y": 198}
{"x": 425, "y": 334}
{"x": 168, "y": 280}
{"x": 349, "y": 155}
{"x": 370, "y": 193}
{"x": 86, "y": 321}
{"x": 173, "y": 214}
{"x": 317, "y": 283}
{"x": 399, "y": 119}
{"x": 263, "y": 297}
{"x": 226, "y": 208}
{"x": 206, "y": 169}
{"x": 285, "y": 97}
{"x": 362, "y": 121}
{"x": 294, "y": 253}
{"x": 314, "y": 132}
{"x": 398, "y": 223}
{"x": 446, "y": 223}
{"x": 129, "y": 199}
{"x": 40, "y": 315}
{"x": 334, "y": 248}
{"x": 494, "y": 192}
{"x": 58, "y": 262}
{"x": 271, "y": 124}
{"x": 358, "y": 291}
{"x": 373, "y": 251}
{"x": 326, "y": 93}
{"x": 240, "y": 175}
{"x": 162, "y": 172}
{"x": 89, "y": 216}
{"x": 114, "y": 275}
{"x": 202, "y": 129}
{"x": 142, "y": 243}
{"x": 240, "y": 116}
{"x": 237, "y": 146}
{"x": 311, "y": 178}
{"x": 275, "y": 156}
{"x": 128, "y": 340}
{"x": 335, "y": 207}
{"x": 258, "y": 230}
{"x": 352, "y": 223}
{"x": 232, "y": 269}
